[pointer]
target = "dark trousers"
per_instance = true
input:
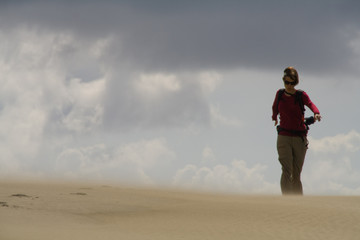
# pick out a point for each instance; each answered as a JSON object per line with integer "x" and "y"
{"x": 292, "y": 151}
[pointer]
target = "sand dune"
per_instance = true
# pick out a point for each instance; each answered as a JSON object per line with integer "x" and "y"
{"x": 89, "y": 211}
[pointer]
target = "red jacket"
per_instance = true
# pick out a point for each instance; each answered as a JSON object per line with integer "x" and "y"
{"x": 291, "y": 115}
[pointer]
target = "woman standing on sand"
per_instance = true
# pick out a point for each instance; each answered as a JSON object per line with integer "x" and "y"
{"x": 292, "y": 131}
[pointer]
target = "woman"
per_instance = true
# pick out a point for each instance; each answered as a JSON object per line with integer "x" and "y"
{"x": 292, "y": 142}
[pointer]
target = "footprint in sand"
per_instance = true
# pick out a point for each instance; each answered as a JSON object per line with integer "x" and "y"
{"x": 20, "y": 195}
{"x": 79, "y": 194}
{"x": 4, "y": 204}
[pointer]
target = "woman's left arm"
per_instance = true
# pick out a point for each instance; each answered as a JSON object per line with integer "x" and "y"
{"x": 312, "y": 106}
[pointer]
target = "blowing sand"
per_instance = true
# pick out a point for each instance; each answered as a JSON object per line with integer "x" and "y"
{"x": 89, "y": 211}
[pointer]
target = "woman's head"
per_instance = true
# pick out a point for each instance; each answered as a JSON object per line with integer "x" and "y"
{"x": 291, "y": 74}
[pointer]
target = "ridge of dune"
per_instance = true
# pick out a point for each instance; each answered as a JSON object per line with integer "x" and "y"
{"x": 89, "y": 211}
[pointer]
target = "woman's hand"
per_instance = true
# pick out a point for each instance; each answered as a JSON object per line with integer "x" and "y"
{"x": 317, "y": 117}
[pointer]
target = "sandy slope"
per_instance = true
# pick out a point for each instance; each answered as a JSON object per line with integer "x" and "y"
{"x": 89, "y": 211}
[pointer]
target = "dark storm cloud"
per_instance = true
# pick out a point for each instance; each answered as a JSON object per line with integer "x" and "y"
{"x": 189, "y": 35}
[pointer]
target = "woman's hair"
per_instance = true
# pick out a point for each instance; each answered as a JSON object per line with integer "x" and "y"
{"x": 291, "y": 73}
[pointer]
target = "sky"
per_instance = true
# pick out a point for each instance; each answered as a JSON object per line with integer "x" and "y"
{"x": 176, "y": 93}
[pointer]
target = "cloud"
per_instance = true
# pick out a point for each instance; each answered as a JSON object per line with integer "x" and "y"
{"x": 133, "y": 162}
{"x": 152, "y": 100}
{"x": 85, "y": 99}
{"x": 59, "y": 90}
{"x": 209, "y": 81}
{"x": 41, "y": 99}
{"x": 331, "y": 165}
{"x": 145, "y": 154}
{"x": 354, "y": 45}
{"x": 208, "y": 156}
{"x": 235, "y": 177}
{"x": 28, "y": 78}
{"x": 349, "y": 142}
{"x": 78, "y": 87}
{"x": 219, "y": 119}
{"x": 206, "y": 35}
{"x": 331, "y": 176}
{"x": 155, "y": 85}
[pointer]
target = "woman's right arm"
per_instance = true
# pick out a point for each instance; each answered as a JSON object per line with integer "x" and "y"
{"x": 275, "y": 110}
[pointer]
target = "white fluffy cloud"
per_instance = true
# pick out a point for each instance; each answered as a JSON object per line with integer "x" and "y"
{"x": 234, "y": 177}
{"x": 330, "y": 168}
{"x": 209, "y": 81}
{"x": 218, "y": 119}
{"x": 154, "y": 85}
{"x": 27, "y": 77}
{"x": 208, "y": 156}
{"x": 131, "y": 162}
{"x": 349, "y": 142}
{"x": 40, "y": 95}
